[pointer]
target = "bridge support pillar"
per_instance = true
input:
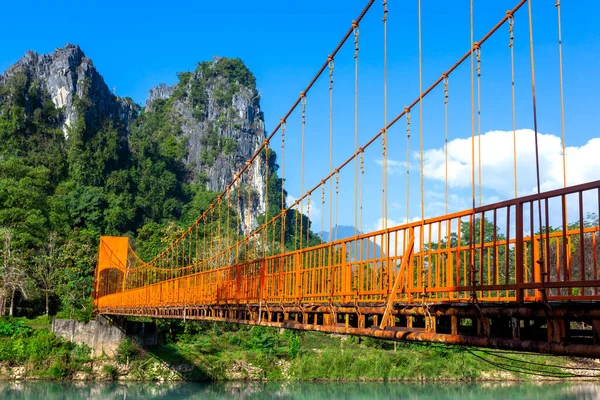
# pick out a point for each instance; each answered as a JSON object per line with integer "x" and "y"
{"x": 515, "y": 325}
{"x": 327, "y": 319}
{"x": 409, "y": 321}
{"x": 361, "y": 321}
{"x": 596, "y": 329}
{"x": 480, "y": 329}
{"x": 556, "y": 330}
{"x": 430, "y": 323}
{"x": 454, "y": 325}
{"x": 375, "y": 320}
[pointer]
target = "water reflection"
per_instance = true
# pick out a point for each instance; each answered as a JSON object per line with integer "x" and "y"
{"x": 300, "y": 391}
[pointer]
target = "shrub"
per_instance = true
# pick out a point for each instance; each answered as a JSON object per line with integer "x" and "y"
{"x": 126, "y": 351}
{"x": 81, "y": 352}
{"x": 59, "y": 370}
{"x": 13, "y": 328}
{"x": 261, "y": 339}
{"x": 294, "y": 344}
{"x": 110, "y": 371}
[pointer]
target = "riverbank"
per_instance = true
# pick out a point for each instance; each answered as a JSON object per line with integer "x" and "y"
{"x": 225, "y": 352}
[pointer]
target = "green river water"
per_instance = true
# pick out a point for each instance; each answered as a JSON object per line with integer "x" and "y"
{"x": 345, "y": 391}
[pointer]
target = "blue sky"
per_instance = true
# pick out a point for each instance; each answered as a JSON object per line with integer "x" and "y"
{"x": 136, "y": 45}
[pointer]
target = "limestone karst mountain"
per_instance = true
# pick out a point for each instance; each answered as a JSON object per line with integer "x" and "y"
{"x": 214, "y": 112}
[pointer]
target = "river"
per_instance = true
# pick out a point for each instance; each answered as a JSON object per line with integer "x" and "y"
{"x": 300, "y": 391}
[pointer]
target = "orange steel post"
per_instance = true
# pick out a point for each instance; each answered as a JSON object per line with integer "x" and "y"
{"x": 537, "y": 276}
{"x": 298, "y": 269}
{"x": 519, "y": 252}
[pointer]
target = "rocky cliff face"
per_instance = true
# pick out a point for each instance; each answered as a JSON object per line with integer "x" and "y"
{"x": 64, "y": 74}
{"x": 218, "y": 109}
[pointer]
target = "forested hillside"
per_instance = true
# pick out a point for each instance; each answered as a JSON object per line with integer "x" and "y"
{"x": 77, "y": 162}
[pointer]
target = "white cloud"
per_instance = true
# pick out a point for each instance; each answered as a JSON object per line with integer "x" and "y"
{"x": 315, "y": 212}
{"x": 397, "y": 243}
{"x": 583, "y": 163}
{"x": 394, "y": 166}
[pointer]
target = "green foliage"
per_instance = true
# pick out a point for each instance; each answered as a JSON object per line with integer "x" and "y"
{"x": 294, "y": 344}
{"x": 29, "y": 126}
{"x": 110, "y": 371}
{"x": 85, "y": 311}
{"x": 38, "y": 346}
{"x": 14, "y": 328}
{"x": 23, "y": 205}
{"x": 94, "y": 147}
{"x": 158, "y": 152}
{"x": 81, "y": 353}
{"x": 58, "y": 371}
{"x": 231, "y": 69}
{"x": 127, "y": 351}
{"x": 180, "y": 91}
{"x": 78, "y": 257}
{"x": 261, "y": 339}
{"x": 213, "y": 145}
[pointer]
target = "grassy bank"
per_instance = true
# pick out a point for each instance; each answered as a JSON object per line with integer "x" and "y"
{"x": 224, "y": 352}
{"x": 210, "y": 351}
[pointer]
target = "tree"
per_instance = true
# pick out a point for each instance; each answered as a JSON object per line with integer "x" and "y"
{"x": 14, "y": 278}
{"x": 46, "y": 270}
{"x": 78, "y": 258}
{"x": 23, "y": 207}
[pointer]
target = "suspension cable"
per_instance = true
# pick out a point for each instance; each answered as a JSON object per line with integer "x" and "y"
{"x": 356, "y": 35}
{"x": 239, "y": 196}
{"x": 407, "y": 113}
{"x": 384, "y": 169}
{"x": 472, "y": 59}
{"x": 218, "y": 228}
{"x": 472, "y": 219}
{"x": 266, "y": 233}
{"x": 562, "y": 100}
{"x": 204, "y": 241}
{"x": 478, "y": 57}
{"x": 283, "y": 126}
{"x": 446, "y": 132}
{"x": 228, "y": 220}
{"x": 303, "y": 115}
{"x": 421, "y": 118}
{"x": 511, "y": 23}
{"x": 323, "y": 211}
{"x": 308, "y": 221}
{"x": 296, "y": 226}
{"x": 331, "y": 66}
{"x": 249, "y": 201}
{"x": 362, "y": 174}
{"x": 337, "y": 210}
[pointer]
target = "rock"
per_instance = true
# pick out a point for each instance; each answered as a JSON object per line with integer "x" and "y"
{"x": 237, "y": 117}
{"x": 99, "y": 336}
{"x": 64, "y": 74}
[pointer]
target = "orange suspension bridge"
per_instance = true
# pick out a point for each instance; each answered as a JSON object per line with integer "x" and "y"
{"x": 451, "y": 279}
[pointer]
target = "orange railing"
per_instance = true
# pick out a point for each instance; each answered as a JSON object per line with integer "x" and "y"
{"x": 503, "y": 262}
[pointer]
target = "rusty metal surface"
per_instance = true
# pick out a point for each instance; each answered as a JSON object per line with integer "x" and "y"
{"x": 409, "y": 334}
